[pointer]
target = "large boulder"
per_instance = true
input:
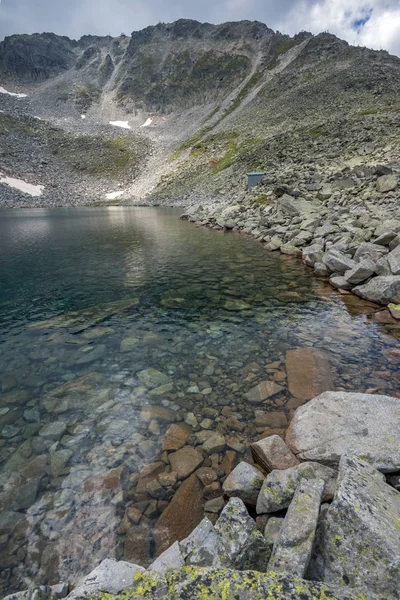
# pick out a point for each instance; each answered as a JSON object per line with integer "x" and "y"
{"x": 394, "y": 260}
{"x": 243, "y": 544}
{"x": 293, "y": 547}
{"x": 204, "y": 546}
{"x": 358, "y": 540}
{"x": 383, "y": 290}
{"x": 279, "y": 487}
{"x": 368, "y": 250}
{"x": 244, "y": 482}
{"x": 362, "y": 271}
{"x": 223, "y": 584}
{"x": 110, "y": 577}
{"x": 386, "y": 183}
{"x": 337, "y": 262}
{"x": 335, "y": 422}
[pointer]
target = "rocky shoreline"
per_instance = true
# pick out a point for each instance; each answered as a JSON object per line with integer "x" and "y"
{"x": 347, "y": 229}
{"x": 315, "y": 516}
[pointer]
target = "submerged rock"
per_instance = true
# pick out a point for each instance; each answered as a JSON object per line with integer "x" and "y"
{"x": 80, "y": 320}
{"x": 336, "y": 422}
{"x": 358, "y": 541}
{"x": 263, "y": 391}
{"x": 185, "y": 461}
{"x": 181, "y": 516}
{"x": 151, "y": 378}
{"x": 309, "y": 372}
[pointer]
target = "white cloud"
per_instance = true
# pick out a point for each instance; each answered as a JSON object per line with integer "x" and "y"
{"x": 381, "y": 30}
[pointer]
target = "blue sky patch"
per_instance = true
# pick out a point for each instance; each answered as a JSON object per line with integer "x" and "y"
{"x": 358, "y": 24}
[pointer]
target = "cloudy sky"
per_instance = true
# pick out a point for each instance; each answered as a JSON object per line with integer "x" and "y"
{"x": 372, "y": 23}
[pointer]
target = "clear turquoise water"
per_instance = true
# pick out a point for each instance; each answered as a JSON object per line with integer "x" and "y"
{"x": 62, "y": 509}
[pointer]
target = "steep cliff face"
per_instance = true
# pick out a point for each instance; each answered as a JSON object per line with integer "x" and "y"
{"x": 162, "y": 68}
{"x": 36, "y": 57}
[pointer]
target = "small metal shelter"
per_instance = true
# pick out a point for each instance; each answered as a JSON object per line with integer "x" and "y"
{"x": 254, "y": 179}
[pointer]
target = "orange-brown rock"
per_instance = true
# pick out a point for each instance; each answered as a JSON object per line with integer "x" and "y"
{"x": 309, "y": 372}
{"x": 228, "y": 462}
{"x": 137, "y": 545}
{"x": 176, "y": 436}
{"x": 148, "y": 473}
{"x": 273, "y": 419}
{"x": 181, "y": 516}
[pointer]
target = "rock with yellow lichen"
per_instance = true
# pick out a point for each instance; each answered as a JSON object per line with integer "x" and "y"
{"x": 294, "y": 544}
{"x": 194, "y": 583}
{"x": 358, "y": 539}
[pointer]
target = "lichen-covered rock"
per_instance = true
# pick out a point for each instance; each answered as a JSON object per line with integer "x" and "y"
{"x": 335, "y": 422}
{"x": 204, "y": 546}
{"x": 170, "y": 559}
{"x": 244, "y": 482}
{"x": 110, "y": 577}
{"x": 293, "y": 547}
{"x": 272, "y": 530}
{"x": 193, "y": 583}
{"x": 337, "y": 262}
{"x": 383, "y": 289}
{"x": 272, "y": 453}
{"x": 358, "y": 541}
{"x": 279, "y": 486}
{"x": 244, "y": 545}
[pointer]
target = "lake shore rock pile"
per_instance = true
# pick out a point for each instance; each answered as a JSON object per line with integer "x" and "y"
{"x": 347, "y": 228}
{"x": 315, "y": 517}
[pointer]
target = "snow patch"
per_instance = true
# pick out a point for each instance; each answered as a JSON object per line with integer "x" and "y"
{"x": 4, "y": 91}
{"x": 148, "y": 122}
{"x": 113, "y": 195}
{"x": 123, "y": 124}
{"x": 22, "y": 186}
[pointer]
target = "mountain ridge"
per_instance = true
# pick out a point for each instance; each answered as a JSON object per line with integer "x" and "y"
{"x": 208, "y": 100}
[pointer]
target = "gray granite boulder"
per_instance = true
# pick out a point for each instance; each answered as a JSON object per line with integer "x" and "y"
{"x": 279, "y": 486}
{"x": 369, "y": 250}
{"x": 110, "y": 577}
{"x": 293, "y": 547}
{"x": 358, "y": 540}
{"x": 335, "y": 422}
{"x": 223, "y": 584}
{"x": 244, "y": 545}
{"x": 394, "y": 260}
{"x": 383, "y": 289}
{"x": 362, "y": 271}
{"x": 337, "y": 262}
{"x": 386, "y": 183}
{"x": 244, "y": 482}
{"x": 172, "y": 558}
{"x": 204, "y": 546}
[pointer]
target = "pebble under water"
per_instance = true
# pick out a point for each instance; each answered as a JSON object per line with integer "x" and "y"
{"x": 149, "y": 373}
